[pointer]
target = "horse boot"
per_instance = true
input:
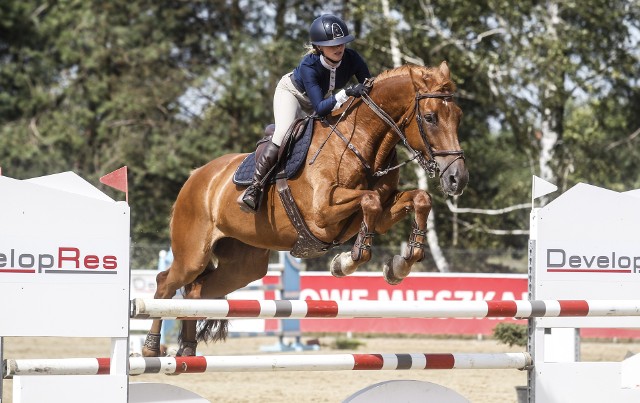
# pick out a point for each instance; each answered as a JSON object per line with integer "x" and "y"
{"x": 264, "y": 163}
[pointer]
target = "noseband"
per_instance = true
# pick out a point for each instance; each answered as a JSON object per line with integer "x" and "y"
{"x": 429, "y": 165}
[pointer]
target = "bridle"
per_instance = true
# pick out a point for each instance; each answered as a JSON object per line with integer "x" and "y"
{"x": 430, "y": 164}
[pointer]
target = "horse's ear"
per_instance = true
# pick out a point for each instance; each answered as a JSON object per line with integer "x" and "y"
{"x": 444, "y": 69}
{"x": 421, "y": 74}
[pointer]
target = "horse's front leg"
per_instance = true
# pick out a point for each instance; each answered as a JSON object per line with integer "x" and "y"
{"x": 346, "y": 263}
{"x": 399, "y": 266}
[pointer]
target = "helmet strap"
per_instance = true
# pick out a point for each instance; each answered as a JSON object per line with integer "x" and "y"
{"x": 331, "y": 60}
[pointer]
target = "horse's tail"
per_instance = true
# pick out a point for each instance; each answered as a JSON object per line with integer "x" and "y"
{"x": 212, "y": 330}
{"x": 207, "y": 330}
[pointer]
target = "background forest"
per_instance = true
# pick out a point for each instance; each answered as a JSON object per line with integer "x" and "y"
{"x": 548, "y": 88}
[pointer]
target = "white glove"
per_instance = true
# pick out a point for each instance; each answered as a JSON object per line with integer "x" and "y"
{"x": 341, "y": 97}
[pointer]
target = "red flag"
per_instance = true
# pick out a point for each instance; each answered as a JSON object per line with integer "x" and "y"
{"x": 118, "y": 180}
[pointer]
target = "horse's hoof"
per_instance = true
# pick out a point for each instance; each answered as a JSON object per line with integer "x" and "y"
{"x": 335, "y": 267}
{"x": 389, "y": 276}
{"x": 187, "y": 349}
{"x": 148, "y": 352}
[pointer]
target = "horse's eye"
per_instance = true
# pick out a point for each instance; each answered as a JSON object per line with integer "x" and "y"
{"x": 431, "y": 118}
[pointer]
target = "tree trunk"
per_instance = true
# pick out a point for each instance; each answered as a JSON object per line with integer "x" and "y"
{"x": 432, "y": 235}
{"x": 552, "y": 101}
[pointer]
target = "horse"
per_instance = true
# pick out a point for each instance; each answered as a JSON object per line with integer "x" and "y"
{"x": 348, "y": 186}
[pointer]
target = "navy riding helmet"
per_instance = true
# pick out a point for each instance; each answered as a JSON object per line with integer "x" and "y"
{"x": 329, "y": 30}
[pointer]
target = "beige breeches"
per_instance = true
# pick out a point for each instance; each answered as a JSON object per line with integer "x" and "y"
{"x": 288, "y": 104}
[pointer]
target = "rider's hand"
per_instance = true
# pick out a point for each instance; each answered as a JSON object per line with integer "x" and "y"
{"x": 356, "y": 90}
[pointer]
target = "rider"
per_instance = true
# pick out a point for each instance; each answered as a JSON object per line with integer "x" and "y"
{"x": 310, "y": 88}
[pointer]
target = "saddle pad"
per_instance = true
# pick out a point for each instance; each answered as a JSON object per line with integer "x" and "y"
{"x": 295, "y": 159}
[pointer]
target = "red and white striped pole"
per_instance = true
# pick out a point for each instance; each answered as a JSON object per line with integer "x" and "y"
{"x": 297, "y": 309}
{"x": 266, "y": 363}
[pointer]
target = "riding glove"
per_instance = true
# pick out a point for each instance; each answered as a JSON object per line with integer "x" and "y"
{"x": 356, "y": 90}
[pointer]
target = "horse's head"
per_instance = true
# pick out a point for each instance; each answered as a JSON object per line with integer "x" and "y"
{"x": 435, "y": 132}
{"x": 430, "y": 118}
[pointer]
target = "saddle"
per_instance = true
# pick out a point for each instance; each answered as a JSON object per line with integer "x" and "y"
{"x": 292, "y": 154}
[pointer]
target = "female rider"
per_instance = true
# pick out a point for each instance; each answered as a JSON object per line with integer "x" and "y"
{"x": 310, "y": 88}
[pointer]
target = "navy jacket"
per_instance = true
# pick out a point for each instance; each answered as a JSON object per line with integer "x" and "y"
{"x": 313, "y": 78}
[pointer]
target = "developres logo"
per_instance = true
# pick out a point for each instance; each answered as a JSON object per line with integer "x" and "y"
{"x": 559, "y": 261}
{"x": 66, "y": 260}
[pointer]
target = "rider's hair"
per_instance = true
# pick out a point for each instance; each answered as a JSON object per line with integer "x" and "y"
{"x": 311, "y": 49}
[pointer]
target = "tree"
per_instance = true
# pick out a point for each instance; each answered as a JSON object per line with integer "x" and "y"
{"x": 547, "y": 88}
{"x": 525, "y": 68}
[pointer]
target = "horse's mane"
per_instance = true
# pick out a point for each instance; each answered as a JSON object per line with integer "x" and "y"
{"x": 395, "y": 72}
{"x": 445, "y": 85}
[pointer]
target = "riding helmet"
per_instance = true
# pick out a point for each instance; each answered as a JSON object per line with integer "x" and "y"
{"x": 329, "y": 30}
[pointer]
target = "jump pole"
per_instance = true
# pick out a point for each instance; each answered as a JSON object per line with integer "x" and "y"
{"x": 288, "y": 287}
{"x": 328, "y": 309}
{"x": 273, "y": 362}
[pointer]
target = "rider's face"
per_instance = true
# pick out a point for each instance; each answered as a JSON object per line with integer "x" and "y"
{"x": 334, "y": 53}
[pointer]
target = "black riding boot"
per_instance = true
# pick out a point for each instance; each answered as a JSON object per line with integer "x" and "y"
{"x": 264, "y": 162}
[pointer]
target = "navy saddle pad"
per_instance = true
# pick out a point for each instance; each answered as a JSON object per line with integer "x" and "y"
{"x": 295, "y": 159}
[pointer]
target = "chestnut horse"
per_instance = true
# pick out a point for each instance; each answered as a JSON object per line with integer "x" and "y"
{"x": 348, "y": 186}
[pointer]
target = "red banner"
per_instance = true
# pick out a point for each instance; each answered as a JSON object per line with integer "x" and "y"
{"x": 417, "y": 287}
{"x": 371, "y": 286}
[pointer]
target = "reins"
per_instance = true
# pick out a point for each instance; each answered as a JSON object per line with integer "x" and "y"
{"x": 429, "y": 165}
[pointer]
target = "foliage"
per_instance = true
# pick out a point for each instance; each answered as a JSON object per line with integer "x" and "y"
{"x": 511, "y": 334}
{"x": 165, "y": 86}
{"x": 347, "y": 343}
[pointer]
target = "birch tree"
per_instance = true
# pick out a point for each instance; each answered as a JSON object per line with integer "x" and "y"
{"x": 432, "y": 235}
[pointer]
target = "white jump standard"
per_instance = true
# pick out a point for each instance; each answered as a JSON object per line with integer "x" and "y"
{"x": 582, "y": 266}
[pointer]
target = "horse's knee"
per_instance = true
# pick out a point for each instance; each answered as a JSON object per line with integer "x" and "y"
{"x": 161, "y": 285}
{"x": 371, "y": 204}
{"x": 194, "y": 290}
{"x": 161, "y": 277}
{"x": 422, "y": 201}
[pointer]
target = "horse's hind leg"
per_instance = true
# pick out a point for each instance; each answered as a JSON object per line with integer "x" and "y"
{"x": 346, "y": 263}
{"x": 187, "y": 265}
{"x": 151, "y": 347}
{"x": 238, "y": 264}
{"x": 399, "y": 266}
{"x": 187, "y": 338}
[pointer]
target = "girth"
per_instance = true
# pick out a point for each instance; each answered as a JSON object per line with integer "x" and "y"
{"x": 307, "y": 245}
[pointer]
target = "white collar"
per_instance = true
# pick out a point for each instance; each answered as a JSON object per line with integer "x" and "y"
{"x": 327, "y": 65}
